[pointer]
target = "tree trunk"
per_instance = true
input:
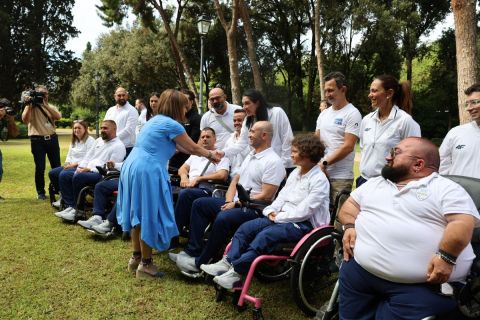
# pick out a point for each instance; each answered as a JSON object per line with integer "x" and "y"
{"x": 231, "y": 32}
{"x": 318, "y": 49}
{"x": 466, "y": 50}
{"x": 252, "y": 56}
{"x": 409, "y": 69}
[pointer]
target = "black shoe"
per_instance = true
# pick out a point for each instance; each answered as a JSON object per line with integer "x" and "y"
{"x": 41, "y": 196}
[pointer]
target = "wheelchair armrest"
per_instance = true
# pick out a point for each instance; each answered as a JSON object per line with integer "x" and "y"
{"x": 102, "y": 170}
{"x": 256, "y": 204}
{"x": 112, "y": 174}
{"x": 243, "y": 195}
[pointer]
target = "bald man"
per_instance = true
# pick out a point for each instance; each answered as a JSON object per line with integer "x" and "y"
{"x": 405, "y": 233}
{"x": 219, "y": 117}
{"x": 125, "y": 116}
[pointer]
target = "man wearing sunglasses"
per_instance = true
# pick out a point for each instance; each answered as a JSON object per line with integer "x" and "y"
{"x": 459, "y": 150}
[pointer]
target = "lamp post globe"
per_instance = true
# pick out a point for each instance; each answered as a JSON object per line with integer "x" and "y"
{"x": 203, "y": 25}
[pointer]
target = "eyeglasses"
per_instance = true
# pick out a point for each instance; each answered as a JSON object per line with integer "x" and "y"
{"x": 473, "y": 103}
{"x": 395, "y": 152}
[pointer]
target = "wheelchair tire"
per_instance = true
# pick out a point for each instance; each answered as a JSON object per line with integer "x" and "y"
{"x": 314, "y": 272}
{"x": 266, "y": 272}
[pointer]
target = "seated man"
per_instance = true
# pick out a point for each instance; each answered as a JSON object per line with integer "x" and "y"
{"x": 406, "y": 233}
{"x": 101, "y": 197}
{"x": 106, "y": 148}
{"x": 303, "y": 204}
{"x": 261, "y": 172}
{"x": 194, "y": 176}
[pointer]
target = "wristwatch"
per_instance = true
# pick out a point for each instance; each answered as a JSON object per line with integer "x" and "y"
{"x": 325, "y": 163}
{"x": 348, "y": 226}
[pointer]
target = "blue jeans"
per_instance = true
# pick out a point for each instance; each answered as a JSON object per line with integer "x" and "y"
{"x": 72, "y": 183}
{"x": 54, "y": 176}
{"x": 183, "y": 207}
{"x": 364, "y": 296}
{"x": 102, "y": 196}
{"x": 41, "y": 148}
{"x": 259, "y": 236}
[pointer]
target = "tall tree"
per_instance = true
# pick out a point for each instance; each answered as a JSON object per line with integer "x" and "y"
{"x": 318, "y": 46}
{"x": 464, "y": 15}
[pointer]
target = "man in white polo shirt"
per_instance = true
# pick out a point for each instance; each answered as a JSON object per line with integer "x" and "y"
{"x": 338, "y": 127}
{"x": 125, "y": 116}
{"x": 219, "y": 117}
{"x": 261, "y": 172}
{"x": 406, "y": 232}
{"x": 459, "y": 152}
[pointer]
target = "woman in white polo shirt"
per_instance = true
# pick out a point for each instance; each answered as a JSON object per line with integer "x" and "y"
{"x": 385, "y": 127}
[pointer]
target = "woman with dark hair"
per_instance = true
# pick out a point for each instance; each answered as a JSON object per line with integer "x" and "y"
{"x": 152, "y": 108}
{"x": 81, "y": 142}
{"x": 192, "y": 127}
{"x": 303, "y": 204}
{"x": 385, "y": 127}
{"x": 258, "y": 109}
{"x": 144, "y": 204}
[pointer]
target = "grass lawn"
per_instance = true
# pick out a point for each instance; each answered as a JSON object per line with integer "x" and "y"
{"x": 53, "y": 270}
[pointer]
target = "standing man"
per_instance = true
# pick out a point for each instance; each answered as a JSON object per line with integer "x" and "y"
{"x": 142, "y": 118}
{"x": 236, "y": 160}
{"x": 406, "y": 232}
{"x": 338, "y": 128}
{"x": 459, "y": 150}
{"x": 40, "y": 117}
{"x": 220, "y": 116}
{"x": 125, "y": 116}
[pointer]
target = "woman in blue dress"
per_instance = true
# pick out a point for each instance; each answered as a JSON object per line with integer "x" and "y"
{"x": 144, "y": 204}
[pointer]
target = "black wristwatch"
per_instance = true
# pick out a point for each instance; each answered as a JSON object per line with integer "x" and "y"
{"x": 348, "y": 226}
{"x": 325, "y": 163}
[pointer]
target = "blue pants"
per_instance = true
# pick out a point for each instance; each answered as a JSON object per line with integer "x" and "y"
{"x": 204, "y": 211}
{"x": 102, "y": 196}
{"x": 41, "y": 148}
{"x": 71, "y": 184}
{"x": 183, "y": 207}
{"x": 259, "y": 236}
{"x": 364, "y": 296}
{"x": 54, "y": 175}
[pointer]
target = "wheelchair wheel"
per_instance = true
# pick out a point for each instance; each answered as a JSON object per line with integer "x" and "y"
{"x": 314, "y": 271}
{"x": 273, "y": 270}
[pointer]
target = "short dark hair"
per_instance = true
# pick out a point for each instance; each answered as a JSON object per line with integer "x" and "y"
{"x": 473, "y": 88}
{"x": 239, "y": 111}
{"x": 339, "y": 78}
{"x": 4, "y": 102}
{"x": 209, "y": 129}
{"x": 309, "y": 146}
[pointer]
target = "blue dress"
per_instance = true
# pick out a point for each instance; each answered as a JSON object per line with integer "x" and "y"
{"x": 144, "y": 193}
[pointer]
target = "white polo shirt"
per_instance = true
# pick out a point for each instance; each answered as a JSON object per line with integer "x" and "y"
{"x": 236, "y": 160}
{"x": 126, "y": 119}
{"x": 102, "y": 151}
{"x": 303, "y": 198}
{"x": 197, "y": 164}
{"x": 281, "y": 140}
{"x": 460, "y": 151}
{"x": 214, "y": 120}
{"x": 262, "y": 167}
{"x": 78, "y": 150}
{"x": 141, "y": 120}
{"x": 398, "y": 232}
{"x": 377, "y": 138}
{"x": 333, "y": 124}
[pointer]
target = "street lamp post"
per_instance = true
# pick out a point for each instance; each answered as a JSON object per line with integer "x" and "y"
{"x": 203, "y": 25}
{"x": 97, "y": 103}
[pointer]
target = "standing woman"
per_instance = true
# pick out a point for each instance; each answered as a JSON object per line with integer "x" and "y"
{"x": 79, "y": 146}
{"x": 144, "y": 204}
{"x": 384, "y": 128}
{"x": 152, "y": 108}
{"x": 257, "y": 109}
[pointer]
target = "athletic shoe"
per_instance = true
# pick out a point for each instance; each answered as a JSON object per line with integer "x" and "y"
{"x": 93, "y": 221}
{"x": 57, "y": 204}
{"x": 173, "y": 256}
{"x": 68, "y": 212}
{"x": 187, "y": 264}
{"x": 41, "y": 196}
{"x": 228, "y": 279}
{"x": 103, "y": 228}
{"x": 218, "y": 268}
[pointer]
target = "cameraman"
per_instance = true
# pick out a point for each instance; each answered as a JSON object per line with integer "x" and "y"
{"x": 41, "y": 117}
{"x": 3, "y": 111}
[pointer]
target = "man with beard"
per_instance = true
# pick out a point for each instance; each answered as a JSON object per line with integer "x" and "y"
{"x": 125, "y": 116}
{"x": 406, "y": 233}
{"x": 106, "y": 148}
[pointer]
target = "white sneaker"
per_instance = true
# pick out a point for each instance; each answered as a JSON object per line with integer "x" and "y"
{"x": 218, "y": 268}
{"x": 228, "y": 279}
{"x": 67, "y": 214}
{"x": 93, "y": 221}
{"x": 57, "y": 204}
{"x": 61, "y": 213}
{"x": 187, "y": 264}
{"x": 173, "y": 256}
{"x": 103, "y": 228}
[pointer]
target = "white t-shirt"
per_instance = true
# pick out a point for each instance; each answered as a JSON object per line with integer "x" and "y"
{"x": 377, "y": 138}
{"x": 126, "y": 119}
{"x": 141, "y": 120}
{"x": 78, "y": 150}
{"x": 197, "y": 164}
{"x": 303, "y": 198}
{"x": 236, "y": 160}
{"x": 398, "y": 232}
{"x": 281, "y": 140}
{"x": 263, "y": 167}
{"x": 333, "y": 124}
{"x": 214, "y": 120}
{"x": 102, "y": 151}
{"x": 460, "y": 151}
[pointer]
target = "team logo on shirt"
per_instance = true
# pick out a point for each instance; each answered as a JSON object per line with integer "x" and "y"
{"x": 422, "y": 194}
{"x": 460, "y": 146}
{"x": 367, "y": 129}
{"x": 338, "y": 121}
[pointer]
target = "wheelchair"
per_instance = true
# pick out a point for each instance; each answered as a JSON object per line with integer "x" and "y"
{"x": 468, "y": 296}
{"x": 312, "y": 265}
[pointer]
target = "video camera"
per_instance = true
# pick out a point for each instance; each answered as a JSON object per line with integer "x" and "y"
{"x": 32, "y": 97}
{"x": 5, "y": 104}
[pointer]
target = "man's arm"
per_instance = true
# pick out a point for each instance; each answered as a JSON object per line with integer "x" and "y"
{"x": 267, "y": 193}
{"x": 220, "y": 175}
{"x": 347, "y": 216}
{"x": 56, "y": 115}
{"x": 344, "y": 150}
{"x": 183, "y": 173}
{"x": 230, "y": 195}
{"x": 26, "y": 114}
{"x": 456, "y": 237}
{"x": 445, "y": 151}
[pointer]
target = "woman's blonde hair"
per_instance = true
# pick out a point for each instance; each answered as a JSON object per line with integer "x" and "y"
{"x": 172, "y": 103}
